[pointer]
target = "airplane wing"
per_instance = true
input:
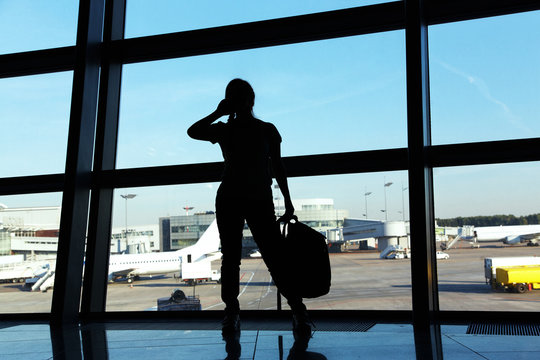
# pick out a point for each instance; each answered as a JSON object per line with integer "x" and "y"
{"x": 530, "y": 236}
{"x": 516, "y": 239}
{"x": 216, "y": 255}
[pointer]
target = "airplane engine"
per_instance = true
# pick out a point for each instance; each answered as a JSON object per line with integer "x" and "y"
{"x": 512, "y": 240}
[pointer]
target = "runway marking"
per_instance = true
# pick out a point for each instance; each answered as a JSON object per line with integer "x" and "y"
{"x": 241, "y": 293}
{"x": 268, "y": 289}
{"x": 245, "y": 286}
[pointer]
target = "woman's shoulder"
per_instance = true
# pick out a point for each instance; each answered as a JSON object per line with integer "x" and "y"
{"x": 268, "y": 126}
{"x": 270, "y": 130}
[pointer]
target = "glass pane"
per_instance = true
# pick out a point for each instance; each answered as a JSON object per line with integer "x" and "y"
{"x": 29, "y": 227}
{"x": 162, "y": 222}
{"x": 35, "y": 118}
{"x": 324, "y": 97}
{"x": 371, "y": 240}
{"x": 487, "y": 212}
{"x": 145, "y": 18}
{"x": 37, "y": 24}
{"x": 485, "y": 79}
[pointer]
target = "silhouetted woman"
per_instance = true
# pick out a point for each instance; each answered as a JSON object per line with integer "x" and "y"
{"x": 250, "y": 147}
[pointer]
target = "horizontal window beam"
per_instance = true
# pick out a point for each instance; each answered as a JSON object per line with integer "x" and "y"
{"x": 480, "y": 153}
{"x": 444, "y": 316}
{"x": 31, "y": 184}
{"x": 296, "y": 29}
{"x": 37, "y": 62}
{"x": 289, "y": 30}
{"x": 492, "y": 152}
{"x": 310, "y": 165}
{"x": 302, "y": 28}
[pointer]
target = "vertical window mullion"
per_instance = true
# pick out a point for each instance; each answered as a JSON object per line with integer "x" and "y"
{"x": 99, "y": 232}
{"x": 423, "y": 261}
{"x": 75, "y": 200}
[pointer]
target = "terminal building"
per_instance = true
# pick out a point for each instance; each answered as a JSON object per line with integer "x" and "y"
{"x": 177, "y": 232}
{"x": 33, "y": 232}
{"x": 29, "y": 230}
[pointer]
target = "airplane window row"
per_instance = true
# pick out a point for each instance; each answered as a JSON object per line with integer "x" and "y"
{"x": 146, "y": 261}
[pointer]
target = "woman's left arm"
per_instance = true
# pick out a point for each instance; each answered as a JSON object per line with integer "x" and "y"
{"x": 281, "y": 178}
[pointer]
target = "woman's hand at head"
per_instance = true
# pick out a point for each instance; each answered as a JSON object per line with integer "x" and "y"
{"x": 224, "y": 108}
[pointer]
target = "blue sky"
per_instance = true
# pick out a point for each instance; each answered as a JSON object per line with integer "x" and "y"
{"x": 330, "y": 96}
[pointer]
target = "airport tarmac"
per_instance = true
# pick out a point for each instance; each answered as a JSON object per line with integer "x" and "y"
{"x": 360, "y": 281}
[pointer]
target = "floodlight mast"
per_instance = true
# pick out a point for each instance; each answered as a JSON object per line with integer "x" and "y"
{"x": 127, "y": 197}
{"x": 386, "y": 184}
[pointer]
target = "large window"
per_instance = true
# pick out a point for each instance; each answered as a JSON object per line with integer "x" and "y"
{"x": 338, "y": 85}
{"x": 485, "y": 79}
{"x": 35, "y": 117}
{"x": 324, "y": 97}
{"x": 37, "y": 24}
{"x": 146, "y": 240}
{"x": 29, "y": 226}
{"x": 483, "y": 212}
{"x": 164, "y": 223}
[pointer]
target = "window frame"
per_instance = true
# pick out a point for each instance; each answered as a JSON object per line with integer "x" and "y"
{"x": 97, "y": 58}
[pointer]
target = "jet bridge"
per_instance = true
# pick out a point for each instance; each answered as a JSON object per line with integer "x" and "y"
{"x": 384, "y": 233}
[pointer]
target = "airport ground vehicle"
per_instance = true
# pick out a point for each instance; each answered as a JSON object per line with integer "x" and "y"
{"x": 255, "y": 254}
{"x": 442, "y": 255}
{"x": 179, "y": 302}
{"x": 491, "y": 265}
{"x": 395, "y": 252}
{"x": 518, "y": 278}
{"x": 199, "y": 272}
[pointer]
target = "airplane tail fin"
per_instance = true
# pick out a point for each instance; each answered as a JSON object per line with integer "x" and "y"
{"x": 209, "y": 241}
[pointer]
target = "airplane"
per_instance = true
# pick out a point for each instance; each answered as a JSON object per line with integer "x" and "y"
{"x": 508, "y": 234}
{"x": 511, "y": 234}
{"x": 131, "y": 266}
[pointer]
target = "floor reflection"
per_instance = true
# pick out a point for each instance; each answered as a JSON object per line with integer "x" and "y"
{"x": 233, "y": 346}
{"x": 299, "y": 350}
{"x": 259, "y": 341}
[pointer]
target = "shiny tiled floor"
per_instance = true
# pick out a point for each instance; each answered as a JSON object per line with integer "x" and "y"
{"x": 145, "y": 341}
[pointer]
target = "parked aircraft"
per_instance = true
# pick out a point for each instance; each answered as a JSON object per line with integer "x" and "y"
{"x": 131, "y": 266}
{"x": 512, "y": 234}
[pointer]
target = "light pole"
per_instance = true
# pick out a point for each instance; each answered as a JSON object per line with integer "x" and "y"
{"x": 403, "y": 188}
{"x": 366, "y": 194}
{"x": 386, "y": 184}
{"x": 127, "y": 197}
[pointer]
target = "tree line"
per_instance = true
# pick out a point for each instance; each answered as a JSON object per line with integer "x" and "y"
{"x": 493, "y": 220}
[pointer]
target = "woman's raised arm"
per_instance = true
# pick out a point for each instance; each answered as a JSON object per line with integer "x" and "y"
{"x": 201, "y": 129}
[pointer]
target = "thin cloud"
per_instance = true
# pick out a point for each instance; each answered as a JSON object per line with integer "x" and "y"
{"x": 151, "y": 151}
{"x": 485, "y": 91}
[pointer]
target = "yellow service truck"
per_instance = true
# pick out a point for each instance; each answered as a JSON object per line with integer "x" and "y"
{"x": 518, "y": 278}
